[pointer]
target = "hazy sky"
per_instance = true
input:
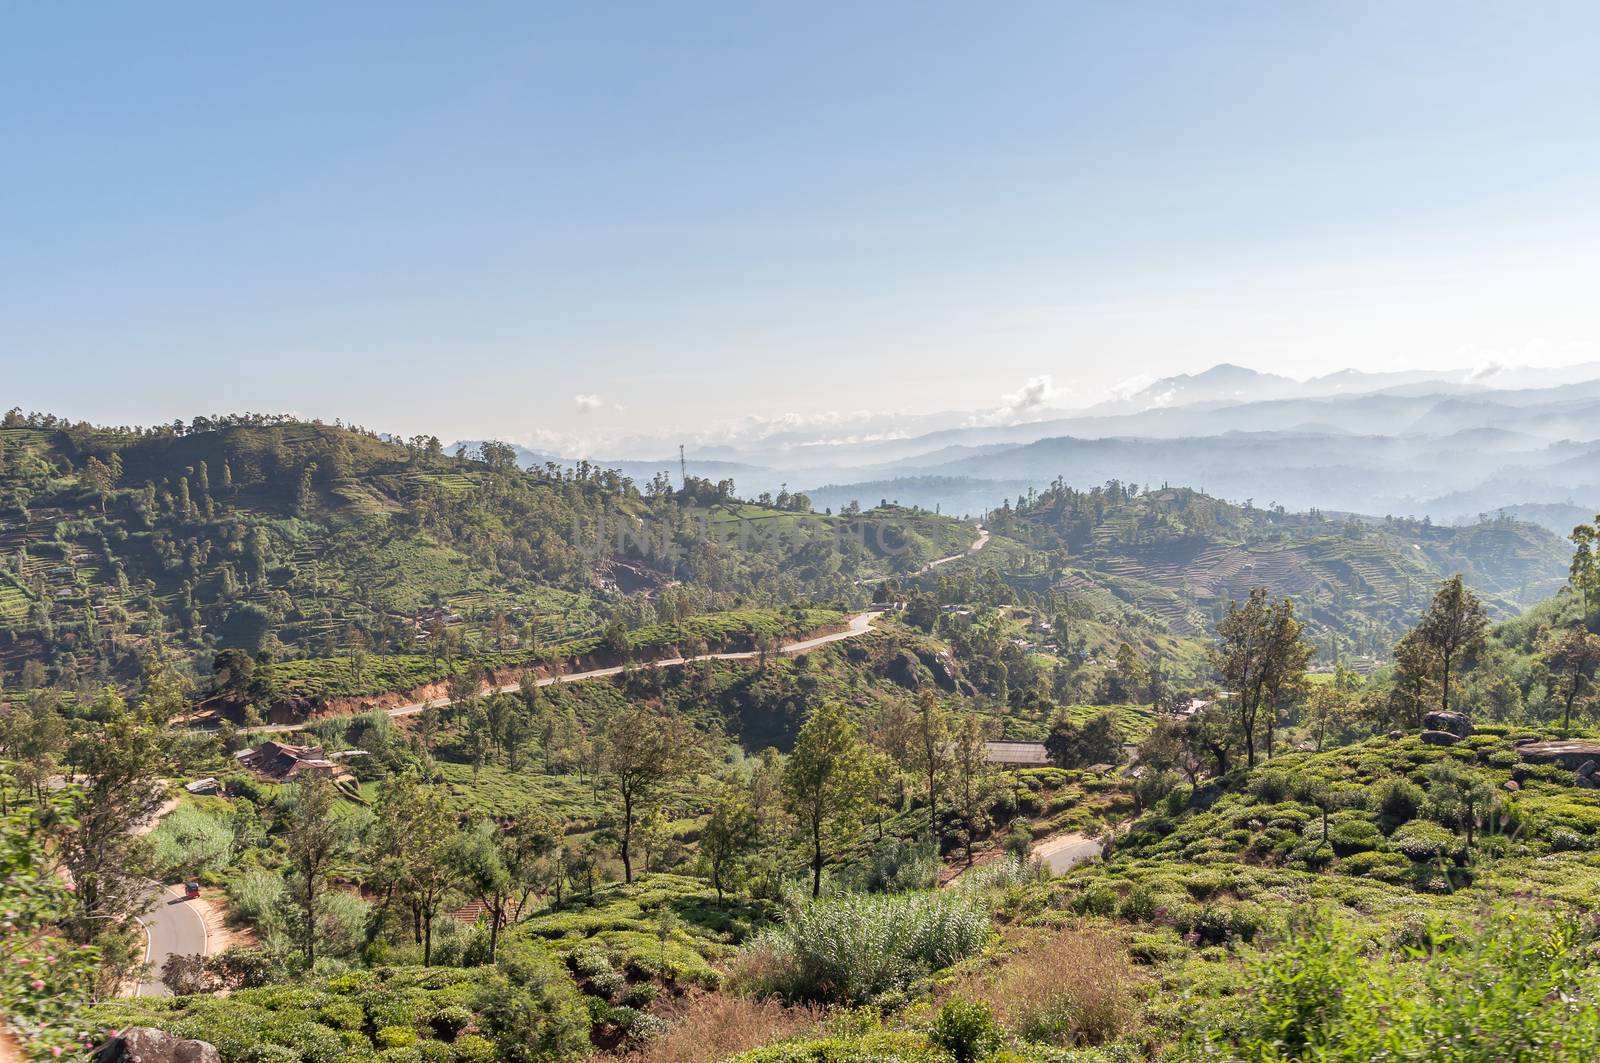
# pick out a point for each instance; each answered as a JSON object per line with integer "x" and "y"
{"x": 584, "y": 220}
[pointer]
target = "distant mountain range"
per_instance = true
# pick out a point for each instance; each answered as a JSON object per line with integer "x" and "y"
{"x": 1445, "y": 445}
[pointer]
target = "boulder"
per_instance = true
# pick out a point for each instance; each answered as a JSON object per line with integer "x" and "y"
{"x": 142, "y": 1044}
{"x": 1396, "y": 735}
{"x": 1585, "y": 782}
{"x": 904, "y": 670}
{"x": 1454, "y": 722}
{"x": 1512, "y": 785}
{"x": 1570, "y": 754}
{"x": 1440, "y": 738}
{"x": 1587, "y": 767}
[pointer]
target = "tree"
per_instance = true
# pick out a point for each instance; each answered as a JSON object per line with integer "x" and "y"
{"x": 117, "y": 769}
{"x": 1073, "y": 745}
{"x": 428, "y": 872}
{"x": 931, "y": 753}
{"x": 1415, "y": 665}
{"x": 729, "y": 836}
{"x": 1261, "y": 659}
{"x": 974, "y": 779}
{"x": 1585, "y": 572}
{"x": 1454, "y": 627}
{"x": 498, "y": 860}
{"x": 1572, "y": 662}
{"x": 316, "y": 837}
{"x": 826, "y": 783}
{"x": 643, "y": 752}
{"x": 1459, "y": 797}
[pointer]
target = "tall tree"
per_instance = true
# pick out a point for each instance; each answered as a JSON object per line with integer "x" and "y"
{"x": 1454, "y": 627}
{"x": 1415, "y": 665}
{"x": 116, "y": 768}
{"x": 1571, "y": 663}
{"x": 729, "y": 836}
{"x": 429, "y": 872}
{"x": 1261, "y": 659}
{"x": 1585, "y": 571}
{"x": 498, "y": 861}
{"x": 316, "y": 837}
{"x": 642, "y": 753}
{"x": 974, "y": 778}
{"x": 931, "y": 753}
{"x": 827, "y": 782}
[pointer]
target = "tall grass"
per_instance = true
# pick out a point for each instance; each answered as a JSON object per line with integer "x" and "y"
{"x": 190, "y": 842}
{"x": 855, "y": 947}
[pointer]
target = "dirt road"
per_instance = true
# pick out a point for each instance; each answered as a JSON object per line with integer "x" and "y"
{"x": 859, "y": 624}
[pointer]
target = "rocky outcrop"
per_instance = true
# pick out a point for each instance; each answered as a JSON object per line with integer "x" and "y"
{"x": 1454, "y": 722}
{"x": 1440, "y": 738}
{"x": 143, "y": 1044}
{"x": 1571, "y": 754}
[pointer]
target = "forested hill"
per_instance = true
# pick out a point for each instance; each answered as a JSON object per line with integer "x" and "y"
{"x": 268, "y": 533}
{"x": 1180, "y": 555}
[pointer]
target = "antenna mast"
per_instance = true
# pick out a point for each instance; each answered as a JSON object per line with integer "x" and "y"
{"x": 683, "y": 467}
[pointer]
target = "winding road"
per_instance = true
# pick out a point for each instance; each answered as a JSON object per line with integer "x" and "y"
{"x": 977, "y": 544}
{"x": 859, "y": 624}
{"x": 172, "y": 926}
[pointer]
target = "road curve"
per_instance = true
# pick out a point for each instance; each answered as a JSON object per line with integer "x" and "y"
{"x": 173, "y": 926}
{"x": 977, "y": 544}
{"x": 859, "y": 624}
{"x": 1066, "y": 851}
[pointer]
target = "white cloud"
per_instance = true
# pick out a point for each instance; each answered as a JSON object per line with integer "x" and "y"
{"x": 587, "y": 403}
{"x": 1035, "y": 393}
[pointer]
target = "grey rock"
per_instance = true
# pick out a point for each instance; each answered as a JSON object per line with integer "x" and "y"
{"x": 1440, "y": 738}
{"x": 1454, "y": 722}
{"x": 143, "y": 1044}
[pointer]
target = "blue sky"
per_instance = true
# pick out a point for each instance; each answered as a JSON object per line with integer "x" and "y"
{"x": 462, "y": 218}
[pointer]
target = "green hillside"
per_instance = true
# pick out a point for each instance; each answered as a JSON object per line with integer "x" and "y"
{"x": 1179, "y": 556}
{"x": 305, "y": 539}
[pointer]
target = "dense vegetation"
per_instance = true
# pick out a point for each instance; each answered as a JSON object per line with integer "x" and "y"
{"x": 782, "y": 855}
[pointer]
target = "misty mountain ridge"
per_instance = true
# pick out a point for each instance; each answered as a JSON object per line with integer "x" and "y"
{"x": 1447, "y": 445}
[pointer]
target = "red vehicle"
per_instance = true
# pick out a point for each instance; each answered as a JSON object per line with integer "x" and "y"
{"x": 191, "y": 890}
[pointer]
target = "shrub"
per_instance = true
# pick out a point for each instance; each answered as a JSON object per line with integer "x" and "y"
{"x": 855, "y": 947}
{"x": 706, "y": 1027}
{"x": 1422, "y": 840}
{"x": 1513, "y": 988}
{"x": 1072, "y": 987}
{"x": 1139, "y": 906}
{"x": 966, "y": 1029}
{"x": 1354, "y": 836}
{"x": 1396, "y": 801}
{"x": 1270, "y": 787}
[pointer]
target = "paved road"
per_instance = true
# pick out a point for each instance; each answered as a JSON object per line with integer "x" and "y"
{"x": 978, "y": 544}
{"x": 1066, "y": 851}
{"x": 174, "y": 926}
{"x": 859, "y": 624}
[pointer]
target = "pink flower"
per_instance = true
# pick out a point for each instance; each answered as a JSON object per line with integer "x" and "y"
{"x": 55, "y": 1050}
{"x": 37, "y": 983}
{"x": 22, "y": 961}
{"x": 71, "y": 887}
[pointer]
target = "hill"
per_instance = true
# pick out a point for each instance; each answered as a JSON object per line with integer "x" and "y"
{"x": 298, "y": 539}
{"x": 1181, "y": 556}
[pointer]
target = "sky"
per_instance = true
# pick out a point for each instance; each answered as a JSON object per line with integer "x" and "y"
{"x": 567, "y": 224}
